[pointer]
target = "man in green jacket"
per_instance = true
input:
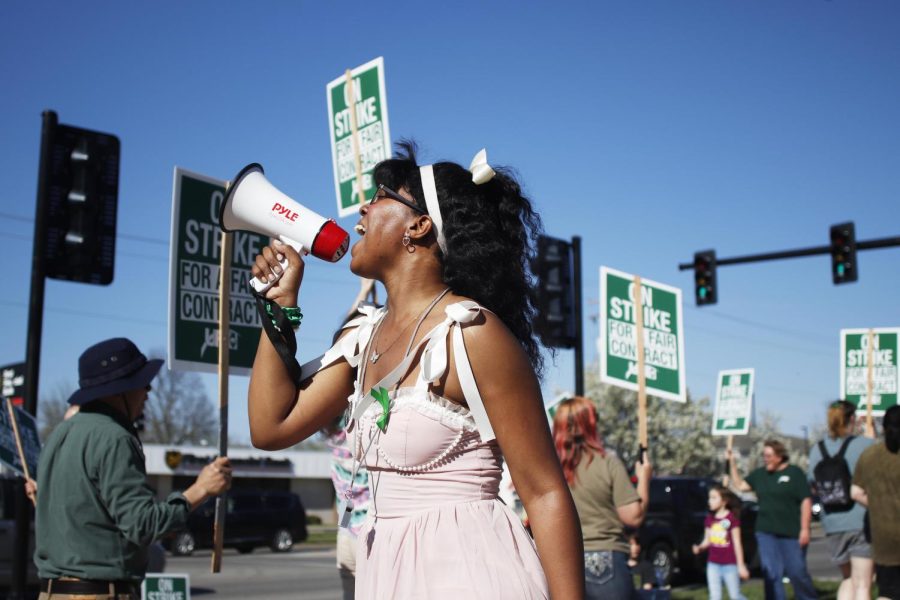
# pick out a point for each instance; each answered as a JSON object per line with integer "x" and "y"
{"x": 96, "y": 515}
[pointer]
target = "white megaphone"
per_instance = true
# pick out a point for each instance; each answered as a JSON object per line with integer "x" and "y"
{"x": 253, "y": 204}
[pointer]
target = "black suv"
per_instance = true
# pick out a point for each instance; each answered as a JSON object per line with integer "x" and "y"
{"x": 252, "y": 519}
{"x": 11, "y": 493}
{"x": 674, "y": 522}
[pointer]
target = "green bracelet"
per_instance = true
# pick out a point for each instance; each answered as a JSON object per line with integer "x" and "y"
{"x": 291, "y": 313}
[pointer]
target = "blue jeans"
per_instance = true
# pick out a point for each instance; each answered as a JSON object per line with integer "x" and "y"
{"x": 716, "y": 574}
{"x": 607, "y": 576}
{"x": 782, "y": 556}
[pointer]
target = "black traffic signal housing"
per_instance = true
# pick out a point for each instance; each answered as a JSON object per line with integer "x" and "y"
{"x": 705, "y": 288}
{"x": 843, "y": 253}
{"x": 79, "y": 185}
{"x": 555, "y": 321}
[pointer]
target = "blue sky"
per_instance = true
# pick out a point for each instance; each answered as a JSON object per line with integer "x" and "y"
{"x": 651, "y": 129}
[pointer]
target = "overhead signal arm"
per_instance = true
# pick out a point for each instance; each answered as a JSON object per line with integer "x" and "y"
{"x": 842, "y": 248}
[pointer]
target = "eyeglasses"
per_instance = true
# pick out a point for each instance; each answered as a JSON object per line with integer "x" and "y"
{"x": 387, "y": 192}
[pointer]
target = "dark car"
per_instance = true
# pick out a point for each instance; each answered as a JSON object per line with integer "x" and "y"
{"x": 674, "y": 522}
{"x": 11, "y": 493}
{"x": 252, "y": 519}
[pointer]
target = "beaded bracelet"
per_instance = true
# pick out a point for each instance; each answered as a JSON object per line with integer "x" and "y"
{"x": 291, "y": 313}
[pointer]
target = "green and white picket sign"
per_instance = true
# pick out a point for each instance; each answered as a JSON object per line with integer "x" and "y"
{"x": 28, "y": 436}
{"x": 663, "y": 335}
{"x": 373, "y": 134}
{"x": 855, "y": 367}
{"x": 734, "y": 402}
{"x": 194, "y": 281}
{"x": 166, "y": 586}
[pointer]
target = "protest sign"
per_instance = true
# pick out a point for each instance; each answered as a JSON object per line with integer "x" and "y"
{"x": 194, "y": 278}
{"x": 734, "y": 402}
{"x": 28, "y": 437}
{"x": 663, "y": 335}
{"x": 856, "y": 375}
{"x": 360, "y": 138}
{"x": 166, "y": 586}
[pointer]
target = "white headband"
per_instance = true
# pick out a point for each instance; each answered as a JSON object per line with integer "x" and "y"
{"x": 481, "y": 173}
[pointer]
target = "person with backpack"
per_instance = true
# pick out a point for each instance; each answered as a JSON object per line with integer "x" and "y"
{"x": 832, "y": 463}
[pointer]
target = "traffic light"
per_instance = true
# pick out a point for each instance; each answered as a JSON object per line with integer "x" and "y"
{"x": 79, "y": 184}
{"x": 705, "y": 289}
{"x": 555, "y": 321}
{"x": 843, "y": 253}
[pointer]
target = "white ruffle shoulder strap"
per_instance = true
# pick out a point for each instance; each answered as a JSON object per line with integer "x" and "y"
{"x": 433, "y": 365}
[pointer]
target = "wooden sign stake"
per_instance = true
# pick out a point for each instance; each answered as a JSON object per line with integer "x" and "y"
{"x": 15, "y": 428}
{"x": 641, "y": 378}
{"x": 224, "y": 335}
{"x": 354, "y": 131}
{"x": 870, "y": 426}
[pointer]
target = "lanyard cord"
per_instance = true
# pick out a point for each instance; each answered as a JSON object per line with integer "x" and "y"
{"x": 357, "y": 463}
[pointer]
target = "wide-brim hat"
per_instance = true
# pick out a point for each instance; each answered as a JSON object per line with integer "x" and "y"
{"x": 112, "y": 367}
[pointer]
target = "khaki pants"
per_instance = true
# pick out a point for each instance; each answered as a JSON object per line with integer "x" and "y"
{"x": 55, "y": 596}
{"x": 58, "y": 596}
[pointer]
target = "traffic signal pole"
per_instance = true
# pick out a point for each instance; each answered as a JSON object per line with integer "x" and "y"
{"x": 866, "y": 245}
{"x": 579, "y": 329}
{"x": 21, "y": 557}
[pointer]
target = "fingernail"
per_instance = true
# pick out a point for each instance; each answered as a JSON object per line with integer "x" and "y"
{"x": 277, "y": 269}
{"x": 271, "y": 277}
{"x": 279, "y": 243}
{"x": 280, "y": 257}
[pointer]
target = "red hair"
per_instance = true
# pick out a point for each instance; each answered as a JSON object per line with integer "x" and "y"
{"x": 575, "y": 434}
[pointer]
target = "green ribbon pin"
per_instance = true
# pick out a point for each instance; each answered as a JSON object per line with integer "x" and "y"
{"x": 381, "y": 396}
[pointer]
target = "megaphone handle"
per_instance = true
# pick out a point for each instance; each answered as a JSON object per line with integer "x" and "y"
{"x": 261, "y": 287}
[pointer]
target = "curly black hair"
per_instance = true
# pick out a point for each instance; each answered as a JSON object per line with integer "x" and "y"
{"x": 491, "y": 233}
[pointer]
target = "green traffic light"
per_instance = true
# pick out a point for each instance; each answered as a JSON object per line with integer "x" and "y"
{"x": 840, "y": 269}
{"x": 701, "y": 291}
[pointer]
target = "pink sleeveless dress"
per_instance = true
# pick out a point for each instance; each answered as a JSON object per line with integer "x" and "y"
{"x": 436, "y": 527}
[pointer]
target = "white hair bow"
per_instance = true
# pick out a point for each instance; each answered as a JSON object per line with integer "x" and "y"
{"x": 481, "y": 170}
{"x": 481, "y": 173}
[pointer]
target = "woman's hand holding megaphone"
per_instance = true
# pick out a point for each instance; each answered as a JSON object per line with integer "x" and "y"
{"x": 268, "y": 267}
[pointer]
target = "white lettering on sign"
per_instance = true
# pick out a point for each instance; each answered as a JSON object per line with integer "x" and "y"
{"x": 202, "y": 238}
{"x": 884, "y": 381}
{"x": 203, "y": 307}
{"x": 197, "y": 276}
{"x": 654, "y": 318}
{"x": 371, "y": 150}
{"x": 365, "y": 115}
{"x": 732, "y": 399}
{"x": 660, "y": 348}
{"x": 245, "y": 247}
{"x": 215, "y": 203}
{"x": 165, "y": 595}
{"x": 860, "y": 357}
{"x": 211, "y": 339}
{"x": 650, "y": 372}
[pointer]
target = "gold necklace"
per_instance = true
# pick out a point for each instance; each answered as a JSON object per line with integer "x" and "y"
{"x": 376, "y": 354}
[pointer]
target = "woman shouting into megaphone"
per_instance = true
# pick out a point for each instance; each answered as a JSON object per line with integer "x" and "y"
{"x": 440, "y": 385}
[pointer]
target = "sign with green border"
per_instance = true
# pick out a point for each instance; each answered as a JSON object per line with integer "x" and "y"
{"x": 373, "y": 132}
{"x": 28, "y": 433}
{"x": 855, "y": 368}
{"x": 663, "y": 335}
{"x": 734, "y": 402}
{"x": 194, "y": 281}
{"x": 166, "y": 586}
